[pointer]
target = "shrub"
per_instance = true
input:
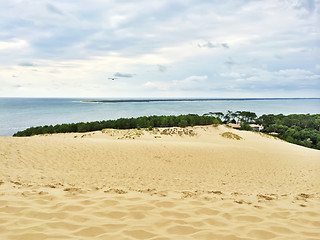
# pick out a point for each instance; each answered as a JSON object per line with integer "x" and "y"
{"x": 231, "y": 135}
{"x": 245, "y": 126}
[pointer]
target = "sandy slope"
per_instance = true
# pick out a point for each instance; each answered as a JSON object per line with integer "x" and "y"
{"x": 181, "y": 184}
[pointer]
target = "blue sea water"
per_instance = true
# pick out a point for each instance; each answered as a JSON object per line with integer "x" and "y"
{"x": 20, "y": 113}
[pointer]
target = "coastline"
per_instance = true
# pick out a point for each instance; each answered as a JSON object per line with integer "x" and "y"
{"x": 128, "y": 100}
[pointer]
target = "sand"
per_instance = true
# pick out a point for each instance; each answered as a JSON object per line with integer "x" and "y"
{"x": 173, "y": 183}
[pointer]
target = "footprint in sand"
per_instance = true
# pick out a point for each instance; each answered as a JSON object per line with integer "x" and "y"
{"x": 166, "y": 204}
{"x": 73, "y": 208}
{"x": 29, "y": 236}
{"x": 137, "y": 215}
{"x": 281, "y": 230}
{"x": 116, "y": 214}
{"x": 114, "y": 227}
{"x": 175, "y": 214}
{"x": 282, "y": 215}
{"x": 207, "y": 211}
{"x": 182, "y": 230}
{"x": 109, "y": 203}
{"x": 248, "y": 218}
{"x": 139, "y": 234}
{"x": 90, "y": 232}
{"x": 216, "y": 222}
{"x": 62, "y": 225}
{"x": 11, "y": 209}
{"x": 261, "y": 234}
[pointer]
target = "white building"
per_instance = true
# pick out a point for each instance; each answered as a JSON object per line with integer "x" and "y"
{"x": 256, "y": 127}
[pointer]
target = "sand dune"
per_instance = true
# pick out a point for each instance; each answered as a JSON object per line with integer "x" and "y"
{"x": 173, "y": 183}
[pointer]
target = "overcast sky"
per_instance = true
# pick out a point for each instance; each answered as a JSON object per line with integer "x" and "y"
{"x": 164, "y": 48}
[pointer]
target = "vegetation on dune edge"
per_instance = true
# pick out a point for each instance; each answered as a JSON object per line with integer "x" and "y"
{"x": 123, "y": 123}
{"x": 231, "y": 135}
{"x": 301, "y": 129}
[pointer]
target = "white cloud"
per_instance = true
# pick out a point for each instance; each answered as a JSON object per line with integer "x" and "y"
{"x": 158, "y": 85}
{"x": 124, "y": 75}
{"x": 13, "y": 44}
{"x": 209, "y": 44}
{"x": 233, "y": 75}
{"x": 161, "y": 68}
{"x": 222, "y": 44}
{"x": 191, "y": 82}
{"x": 260, "y": 79}
{"x": 53, "y": 9}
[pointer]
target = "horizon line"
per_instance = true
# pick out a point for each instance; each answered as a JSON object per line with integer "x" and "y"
{"x": 184, "y": 100}
{"x": 163, "y": 98}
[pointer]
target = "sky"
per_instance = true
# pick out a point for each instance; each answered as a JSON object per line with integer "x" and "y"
{"x": 160, "y": 49}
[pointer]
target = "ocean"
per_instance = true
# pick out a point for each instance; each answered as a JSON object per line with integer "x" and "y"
{"x": 20, "y": 113}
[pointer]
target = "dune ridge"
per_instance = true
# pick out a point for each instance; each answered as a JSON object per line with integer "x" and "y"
{"x": 190, "y": 183}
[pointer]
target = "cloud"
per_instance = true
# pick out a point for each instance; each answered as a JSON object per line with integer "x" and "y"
{"x": 225, "y": 45}
{"x": 297, "y": 75}
{"x": 26, "y": 64}
{"x": 157, "y": 85}
{"x": 188, "y": 83}
{"x": 213, "y": 45}
{"x": 308, "y": 5}
{"x": 230, "y": 61}
{"x": 51, "y": 8}
{"x": 242, "y": 44}
{"x": 124, "y": 75}
{"x": 261, "y": 79}
{"x": 13, "y": 44}
{"x": 161, "y": 68}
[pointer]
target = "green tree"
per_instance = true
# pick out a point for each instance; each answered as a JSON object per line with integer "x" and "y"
{"x": 183, "y": 123}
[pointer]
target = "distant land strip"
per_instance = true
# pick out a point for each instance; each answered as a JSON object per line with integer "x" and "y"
{"x": 183, "y": 100}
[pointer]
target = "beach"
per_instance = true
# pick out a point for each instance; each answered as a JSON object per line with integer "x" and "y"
{"x": 203, "y": 182}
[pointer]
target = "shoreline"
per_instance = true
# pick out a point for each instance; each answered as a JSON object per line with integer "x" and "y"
{"x": 185, "y": 100}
